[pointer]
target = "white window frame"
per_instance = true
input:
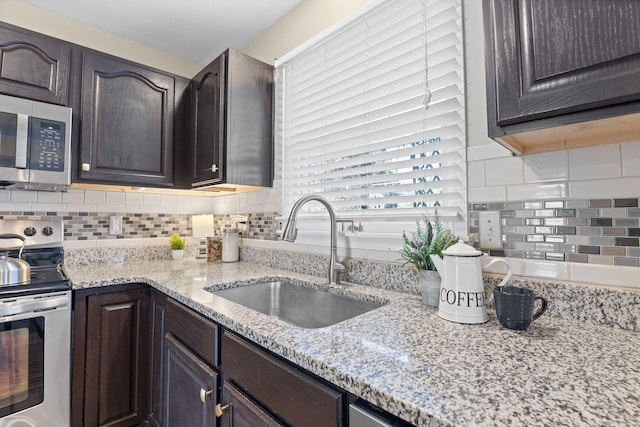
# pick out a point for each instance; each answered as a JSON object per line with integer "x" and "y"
{"x": 380, "y": 231}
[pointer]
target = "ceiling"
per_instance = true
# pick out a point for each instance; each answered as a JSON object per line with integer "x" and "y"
{"x": 198, "y": 30}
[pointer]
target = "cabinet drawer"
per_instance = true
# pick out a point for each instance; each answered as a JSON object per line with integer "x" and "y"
{"x": 288, "y": 392}
{"x": 193, "y": 330}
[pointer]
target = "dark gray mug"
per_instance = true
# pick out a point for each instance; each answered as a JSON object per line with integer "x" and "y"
{"x": 514, "y": 306}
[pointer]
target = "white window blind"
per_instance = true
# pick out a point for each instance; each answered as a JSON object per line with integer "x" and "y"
{"x": 372, "y": 115}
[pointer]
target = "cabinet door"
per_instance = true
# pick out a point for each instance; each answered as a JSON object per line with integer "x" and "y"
{"x": 158, "y": 325}
{"x": 238, "y": 410}
{"x": 191, "y": 330}
{"x": 117, "y": 353}
{"x": 553, "y": 57}
{"x": 207, "y": 124}
{"x": 34, "y": 66}
{"x": 190, "y": 387}
{"x": 127, "y": 123}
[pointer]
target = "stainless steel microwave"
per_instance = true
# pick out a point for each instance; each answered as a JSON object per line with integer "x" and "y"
{"x": 35, "y": 145}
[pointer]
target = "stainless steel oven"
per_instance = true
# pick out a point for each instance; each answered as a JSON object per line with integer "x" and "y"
{"x": 34, "y": 360}
{"x": 35, "y": 332}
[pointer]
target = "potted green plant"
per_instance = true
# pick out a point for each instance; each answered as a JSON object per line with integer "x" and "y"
{"x": 177, "y": 244}
{"x": 428, "y": 239}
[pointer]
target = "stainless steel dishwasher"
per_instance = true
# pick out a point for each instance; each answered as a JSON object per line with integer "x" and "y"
{"x": 363, "y": 414}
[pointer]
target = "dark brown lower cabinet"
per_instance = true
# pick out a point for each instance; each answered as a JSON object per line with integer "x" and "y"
{"x": 238, "y": 410}
{"x": 110, "y": 356}
{"x": 190, "y": 387}
{"x": 142, "y": 358}
{"x": 276, "y": 387}
{"x": 184, "y": 358}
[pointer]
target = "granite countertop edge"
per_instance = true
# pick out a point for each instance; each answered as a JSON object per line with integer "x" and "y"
{"x": 381, "y": 356}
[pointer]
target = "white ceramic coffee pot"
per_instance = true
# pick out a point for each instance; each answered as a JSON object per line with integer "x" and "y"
{"x": 462, "y": 297}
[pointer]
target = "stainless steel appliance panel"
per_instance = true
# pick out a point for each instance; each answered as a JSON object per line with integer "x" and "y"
{"x": 61, "y": 116}
{"x": 363, "y": 414}
{"x": 54, "y": 309}
{"x": 35, "y": 144}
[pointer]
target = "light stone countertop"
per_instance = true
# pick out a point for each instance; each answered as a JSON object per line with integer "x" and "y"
{"x": 405, "y": 359}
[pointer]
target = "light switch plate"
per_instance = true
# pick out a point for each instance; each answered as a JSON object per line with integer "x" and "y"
{"x": 490, "y": 230}
{"x": 115, "y": 225}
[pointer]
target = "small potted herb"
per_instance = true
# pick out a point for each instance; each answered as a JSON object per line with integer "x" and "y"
{"x": 177, "y": 244}
{"x": 428, "y": 239}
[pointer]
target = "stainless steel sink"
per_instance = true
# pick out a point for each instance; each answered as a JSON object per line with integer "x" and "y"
{"x": 298, "y": 305}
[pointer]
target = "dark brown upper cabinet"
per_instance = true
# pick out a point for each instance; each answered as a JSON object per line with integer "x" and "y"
{"x": 34, "y": 66}
{"x": 207, "y": 121}
{"x": 127, "y": 131}
{"x": 562, "y": 74}
{"x": 139, "y": 126}
{"x": 231, "y": 122}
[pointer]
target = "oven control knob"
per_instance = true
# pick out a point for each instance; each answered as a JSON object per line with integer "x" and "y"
{"x": 30, "y": 231}
{"x": 47, "y": 231}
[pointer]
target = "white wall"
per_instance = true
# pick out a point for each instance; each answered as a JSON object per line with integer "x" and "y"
{"x": 307, "y": 19}
{"x": 25, "y": 15}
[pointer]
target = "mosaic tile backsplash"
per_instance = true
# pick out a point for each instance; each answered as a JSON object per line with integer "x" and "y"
{"x": 595, "y": 231}
{"x": 95, "y": 225}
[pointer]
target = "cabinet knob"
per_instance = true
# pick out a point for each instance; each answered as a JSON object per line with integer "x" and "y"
{"x": 219, "y": 409}
{"x": 86, "y": 167}
{"x": 203, "y": 394}
{"x": 214, "y": 168}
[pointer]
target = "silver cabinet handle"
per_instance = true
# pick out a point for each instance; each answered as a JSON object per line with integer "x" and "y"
{"x": 86, "y": 167}
{"x": 214, "y": 168}
{"x": 203, "y": 395}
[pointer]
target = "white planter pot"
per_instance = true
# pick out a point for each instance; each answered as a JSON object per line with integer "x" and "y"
{"x": 177, "y": 253}
{"x": 429, "y": 285}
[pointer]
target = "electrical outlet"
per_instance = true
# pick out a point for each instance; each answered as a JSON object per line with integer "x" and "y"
{"x": 115, "y": 225}
{"x": 490, "y": 230}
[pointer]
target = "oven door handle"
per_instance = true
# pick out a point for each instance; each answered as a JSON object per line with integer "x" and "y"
{"x": 22, "y": 141}
{"x": 20, "y": 307}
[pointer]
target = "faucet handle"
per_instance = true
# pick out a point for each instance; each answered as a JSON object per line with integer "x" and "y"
{"x": 338, "y": 268}
{"x": 350, "y": 225}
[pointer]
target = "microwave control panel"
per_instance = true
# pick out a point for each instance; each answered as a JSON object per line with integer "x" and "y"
{"x": 47, "y": 145}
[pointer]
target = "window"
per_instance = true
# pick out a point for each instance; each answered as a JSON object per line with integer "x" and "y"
{"x": 371, "y": 114}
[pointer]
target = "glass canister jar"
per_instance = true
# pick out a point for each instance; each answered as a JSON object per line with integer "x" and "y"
{"x": 214, "y": 248}
{"x": 230, "y": 245}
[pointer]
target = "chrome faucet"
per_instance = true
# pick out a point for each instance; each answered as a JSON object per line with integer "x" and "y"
{"x": 290, "y": 233}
